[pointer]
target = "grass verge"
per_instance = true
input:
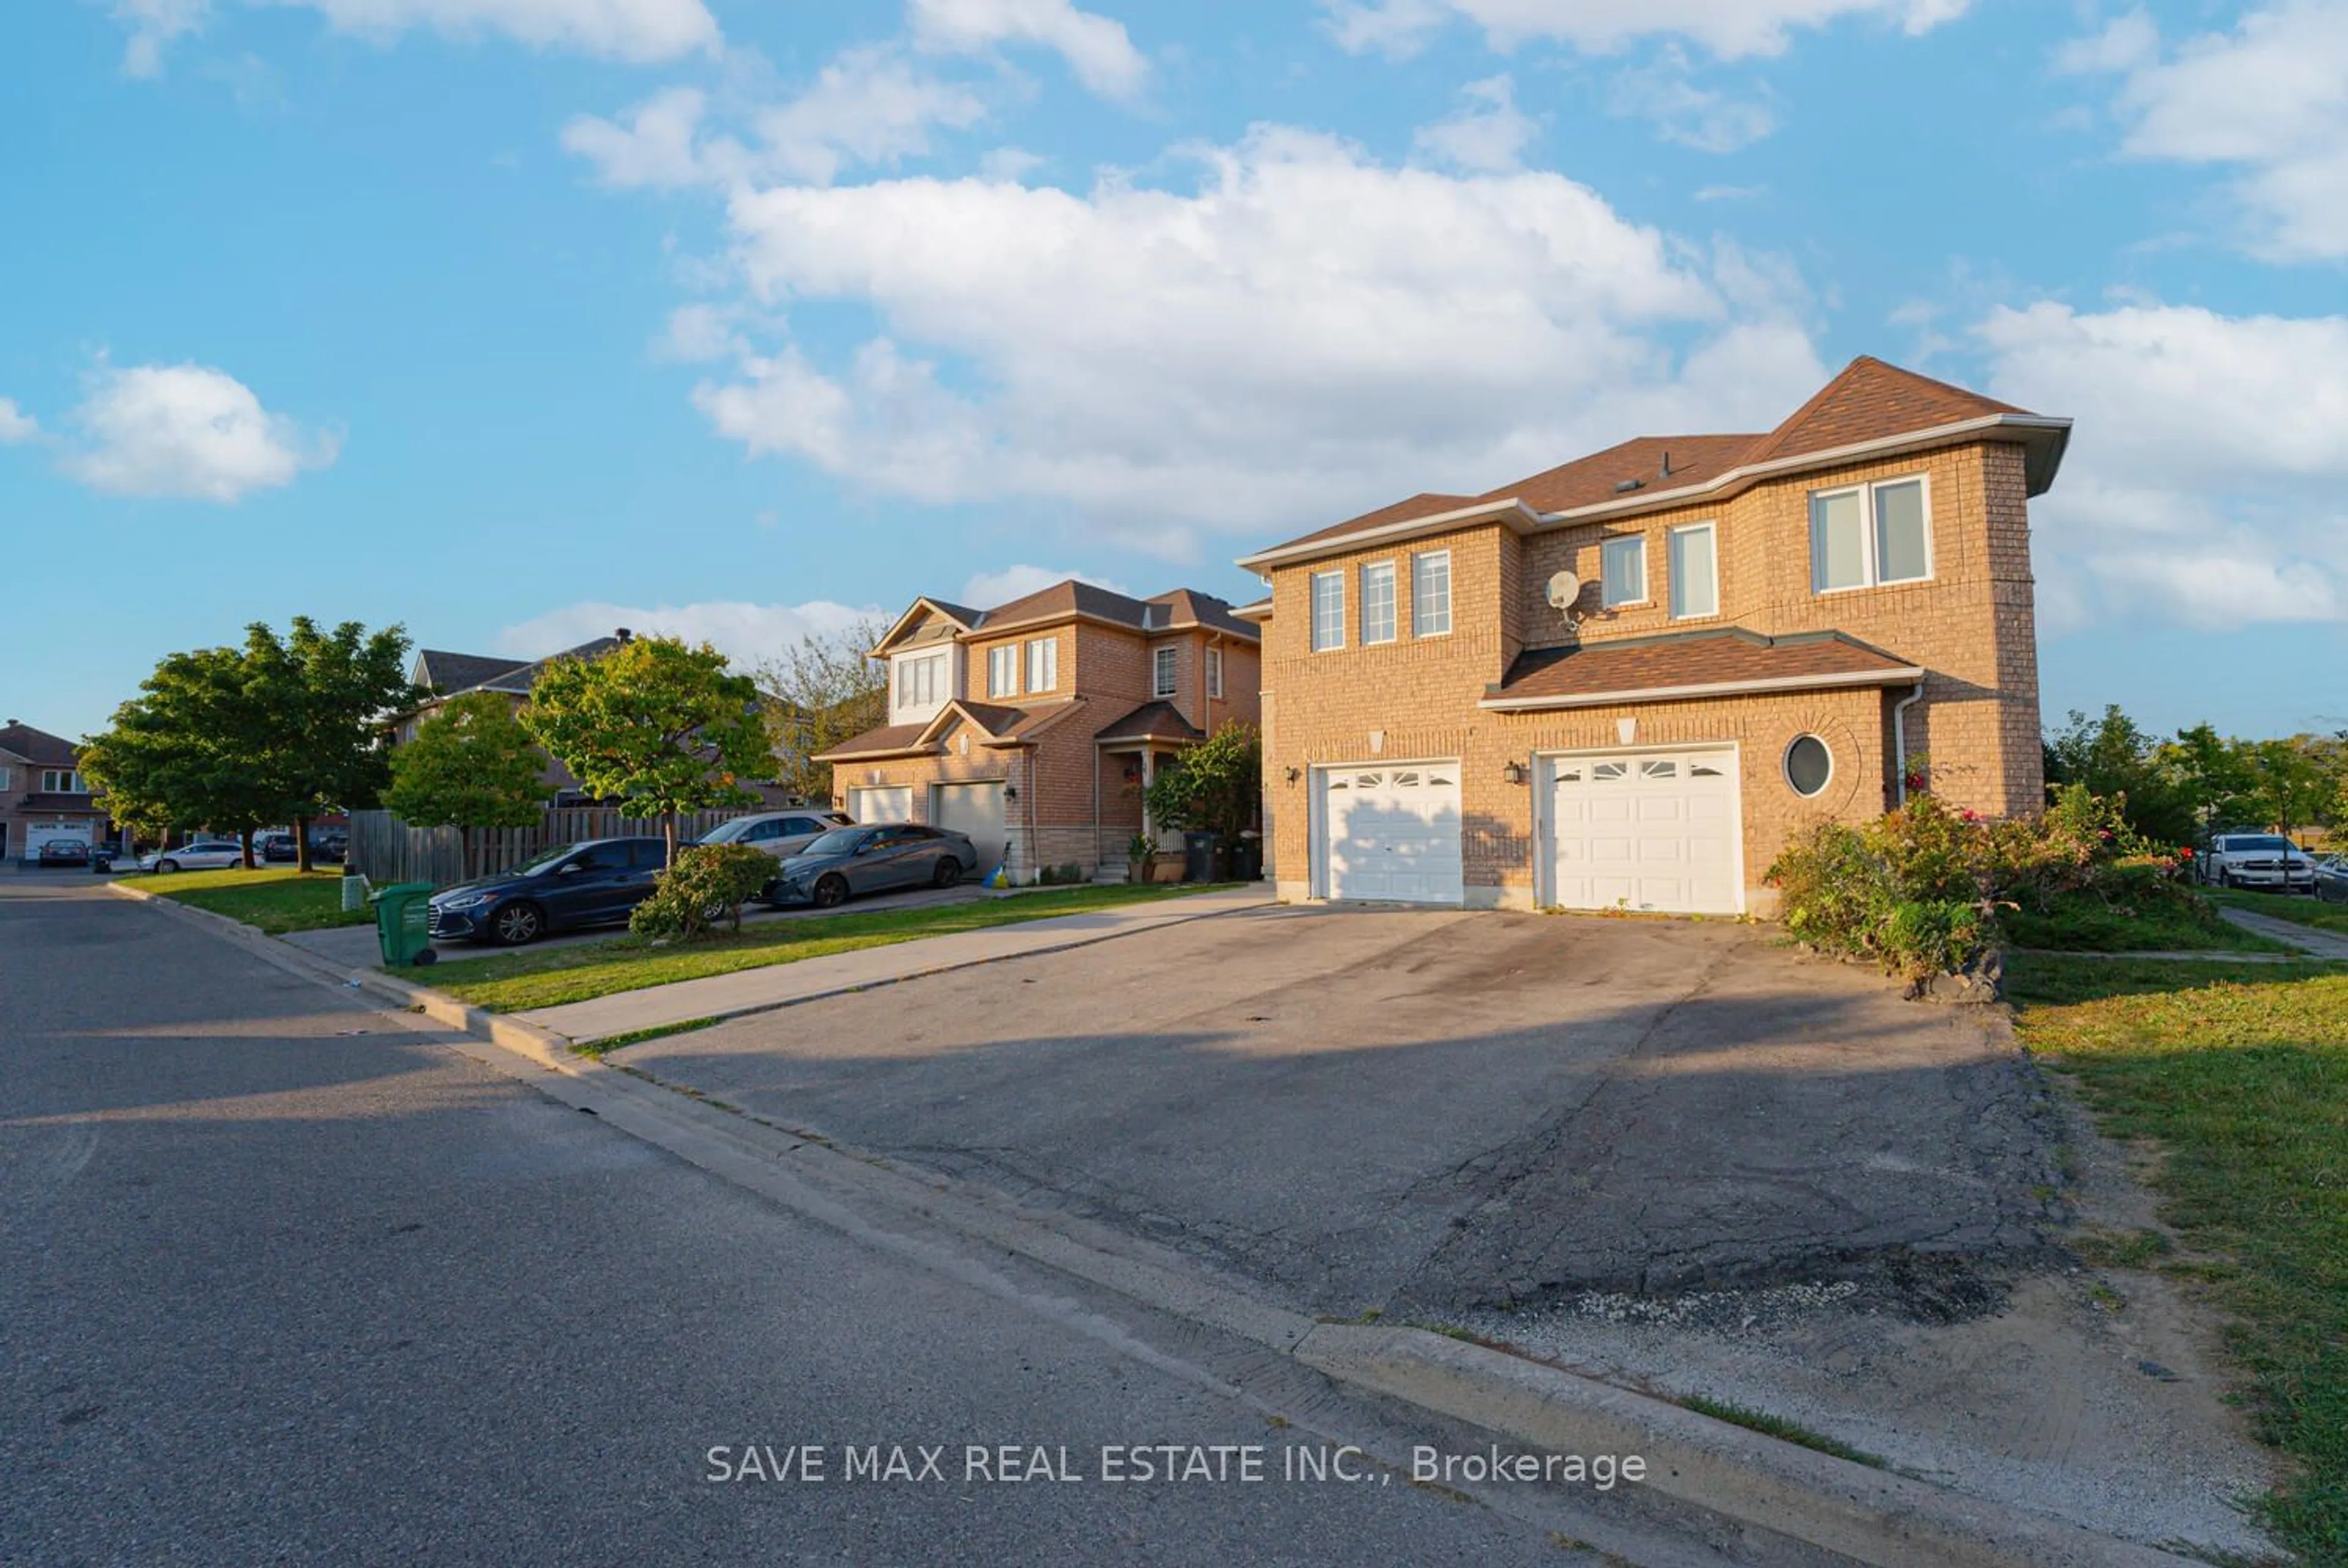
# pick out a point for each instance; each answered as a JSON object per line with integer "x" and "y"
{"x": 1780, "y": 1427}
{"x": 2299, "y": 910}
{"x": 277, "y": 900}
{"x": 519, "y": 982}
{"x": 2239, "y": 1074}
{"x": 2088, "y": 924}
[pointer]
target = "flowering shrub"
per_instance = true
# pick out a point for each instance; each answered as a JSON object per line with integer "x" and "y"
{"x": 1922, "y": 891}
{"x": 708, "y": 883}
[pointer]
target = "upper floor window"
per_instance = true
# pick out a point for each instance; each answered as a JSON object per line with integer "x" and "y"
{"x": 1870, "y": 534}
{"x": 1430, "y": 594}
{"x": 1003, "y": 670}
{"x": 62, "y": 781}
{"x": 1378, "y": 603}
{"x": 1328, "y": 610}
{"x": 1695, "y": 561}
{"x": 1622, "y": 570}
{"x": 1214, "y": 673}
{"x": 1164, "y": 665}
{"x": 922, "y": 682}
{"x": 1043, "y": 664}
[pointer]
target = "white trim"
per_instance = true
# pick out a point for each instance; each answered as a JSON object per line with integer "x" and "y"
{"x": 1644, "y": 500}
{"x": 1614, "y": 544}
{"x": 1544, "y": 784}
{"x": 1671, "y": 574}
{"x": 1901, "y": 676}
{"x": 1166, "y": 656}
{"x": 1417, "y": 557}
{"x": 1008, "y": 655}
{"x": 1393, "y": 603}
{"x": 880, "y": 649}
{"x": 1313, "y": 610}
{"x": 1215, "y": 674}
{"x": 1871, "y": 529}
{"x": 1028, "y": 651}
{"x": 1786, "y": 765}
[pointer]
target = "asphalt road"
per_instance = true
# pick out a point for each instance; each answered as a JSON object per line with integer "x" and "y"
{"x": 284, "y": 1279}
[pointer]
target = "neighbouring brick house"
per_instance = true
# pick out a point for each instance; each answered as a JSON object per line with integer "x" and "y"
{"x": 1625, "y": 681}
{"x": 1034, "y": 727}
{"x": 452, "y": 675}
{"x": 42, "y": 794}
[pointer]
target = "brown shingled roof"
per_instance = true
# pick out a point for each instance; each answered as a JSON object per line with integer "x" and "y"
{"x": 39, "y": 745}
{"x": 1593, "y": 673}
{"x": 888, "y": 741}
{"x": 1426, "y": 504}
{"x": 1590, "y": 481}
{"x": 1153, "y": 721}
{"x": 1868, "y": 401}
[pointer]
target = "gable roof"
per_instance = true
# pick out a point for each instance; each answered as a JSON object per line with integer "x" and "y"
{"x": 449, "y": 674}
{"x": 522, "y": 679}
{"x": 1870, "y": 408}
{"x": 961, "y": 615}
{"x": 1680, "y": 666}
{"x": 1152, "y": 721}
{"x": 38, "y": 746}
{"x": 1174, "y": 610}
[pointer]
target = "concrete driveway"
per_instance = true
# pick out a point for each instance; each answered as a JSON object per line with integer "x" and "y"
{"x": 1398, "y": 1110}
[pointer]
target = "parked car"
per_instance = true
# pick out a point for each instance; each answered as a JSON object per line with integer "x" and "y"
{"x": 329, "y": 844}
{"x": 203, "y": 854}
{"x": 595, "y": 882}
{"x": 276, "y": 846}
{"x": 781, "y": 833}
{"x": 2332, "y": 879}
{"x": 848, "y": 861}
{"x": 2265, "y": 860}
{"x": 63, "y": 851}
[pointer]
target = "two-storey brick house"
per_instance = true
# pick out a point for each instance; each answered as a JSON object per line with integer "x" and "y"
{"x": 1625, "y": 681}
{"x": 1036, "y": 726}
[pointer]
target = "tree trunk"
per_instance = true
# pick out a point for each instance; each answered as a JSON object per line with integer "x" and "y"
{"x": 668, "y": 831}
{"x": 246, "y": 837}
{"x": 301, "y": 845}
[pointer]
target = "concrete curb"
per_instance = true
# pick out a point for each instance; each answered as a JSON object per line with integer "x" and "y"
{"x": 1735, "y": 1475}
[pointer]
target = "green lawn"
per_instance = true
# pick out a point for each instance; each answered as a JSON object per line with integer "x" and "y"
{"x": 277, "y": 900}
{"x": 2086, "y": 924}
{"x": 2238, "y": 1073}
{"x": 548, "y": 977}
{"x": 2298, "y": 909}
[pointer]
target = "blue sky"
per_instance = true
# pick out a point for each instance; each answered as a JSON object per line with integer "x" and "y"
{"x": 513, "y": 320}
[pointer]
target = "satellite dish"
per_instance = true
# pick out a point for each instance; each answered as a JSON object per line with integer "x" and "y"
{"x": 1563, "y": 589}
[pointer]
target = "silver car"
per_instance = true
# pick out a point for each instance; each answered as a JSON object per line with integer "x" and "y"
{"x": 848, "y": 861}
{"x": 2332, "y": 879}
{"x": 781, "y": 833}
{"x": 204, "y": 855}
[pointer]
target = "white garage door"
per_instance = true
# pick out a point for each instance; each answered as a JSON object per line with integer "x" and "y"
{"x": 38, "y": 834}
{"x": 892, "y": 803}
{"x": 1659, "y": 832}
{"x": 975, "y": 809}
{"x": 1392, "y": 833}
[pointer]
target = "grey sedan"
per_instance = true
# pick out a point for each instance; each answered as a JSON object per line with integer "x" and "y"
{"x": 2332, "y": 879}
{"x": 854, "y": 860}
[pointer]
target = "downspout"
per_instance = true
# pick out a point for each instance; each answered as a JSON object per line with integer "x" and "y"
{"x": 1900, "y": 742}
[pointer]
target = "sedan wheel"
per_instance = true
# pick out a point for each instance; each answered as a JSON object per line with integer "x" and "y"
{"x": 516, "y": 923}
{"x": 831, "y": 892}
{"x": 167, "y": 865}
{"x": 948, "y": 872}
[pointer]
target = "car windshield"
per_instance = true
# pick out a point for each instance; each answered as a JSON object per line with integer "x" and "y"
{"x": 543, "y": 861}
{"x": 838, "y": 841}
{"x": 727, "y": 832}
{"x": 2269, "y": 842}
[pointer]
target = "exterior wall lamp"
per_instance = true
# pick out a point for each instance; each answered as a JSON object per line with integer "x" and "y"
{"x": 1292, "y": 775}
{"x": 1513, "y": 771}
{"x": 1011, "y": 792}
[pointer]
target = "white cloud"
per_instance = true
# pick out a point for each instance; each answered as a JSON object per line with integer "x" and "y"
{"x": 1277, "y": 346}
{"x": 869, "y": 106}
{"x": 1490, "y": 134}
{"x": 1701, "y": 118}
{"x": 153, "y": 23}
{"x": 2207, "y": 484}
{"x": 987, "y": 589}
{"x": 637, "y": 31}
{"x": 2265, "y": 99}
{"x": 1727, "y": 28}
{"x": 745, "y": 633}
{"x": 15, "y": 425}
{"x": 1097, "y": 48}
{"x": 186, "y": 430}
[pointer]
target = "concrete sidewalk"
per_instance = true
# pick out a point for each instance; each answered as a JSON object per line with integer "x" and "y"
{"x": 781, "y": 985}
{"x": 2307, "y": 938}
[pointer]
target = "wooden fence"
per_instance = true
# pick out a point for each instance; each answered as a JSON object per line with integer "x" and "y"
{"x": 389, "y": 850}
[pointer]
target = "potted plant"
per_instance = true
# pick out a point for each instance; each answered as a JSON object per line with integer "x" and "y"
{"x": 1137, "y": 858}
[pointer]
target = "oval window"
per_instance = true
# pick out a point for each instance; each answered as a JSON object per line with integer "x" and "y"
{"x": 1809, "y": 765}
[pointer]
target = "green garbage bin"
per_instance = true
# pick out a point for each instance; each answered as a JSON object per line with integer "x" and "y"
{"x": 403, "y": 924}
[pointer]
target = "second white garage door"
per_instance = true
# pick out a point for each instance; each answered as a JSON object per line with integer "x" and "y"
{"x": 1391, "y": 833}
{"x": 1658, "y": 832}
{"x": 887, "y": 803}
{"x": 975, "y": 809}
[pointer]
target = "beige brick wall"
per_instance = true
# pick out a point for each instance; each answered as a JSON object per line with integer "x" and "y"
{"x": 1970, "y": 626}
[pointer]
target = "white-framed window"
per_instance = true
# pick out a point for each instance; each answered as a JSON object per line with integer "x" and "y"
{"x": 1378, "y": 603}
{"x": 1164, "y": 665}
{"x": 62, "y": 781}
{"x": 1809, "y": 765}
{"x": 1043, "y": 664}
{"x": 1622, "y": 570}
{"x": 1328, "y": 610}
{"x": 920, "y": 683}
{"x": 1214, "y": 673}
{"x": 1430, "y": 594}
{"x": 1003, "y": 670}
{"x": 1866, "y": 535}
{"x": 4, "y": 778}
{"x": 1692, "y": 557}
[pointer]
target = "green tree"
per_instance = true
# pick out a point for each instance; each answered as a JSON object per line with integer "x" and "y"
{"x": 1216, "y": 787}
{"x": 2113, "y": 758}
{"x": 822, "y": 691}
{"x": 333, "y": 690}
{"x": 198, "y": 747}
{"x": 471, "y": 765}
{"x": 2294, "y": 783}
{"x": 658, "y": 726}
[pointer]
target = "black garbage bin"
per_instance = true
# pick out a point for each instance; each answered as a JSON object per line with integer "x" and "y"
{"x": 1247, "y": 858}
{"x": 1198, "y": 857}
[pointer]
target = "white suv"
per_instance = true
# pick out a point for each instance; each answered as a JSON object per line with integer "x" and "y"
{"x": 2258, "y": 860}
{"x": 781, "y": 833}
